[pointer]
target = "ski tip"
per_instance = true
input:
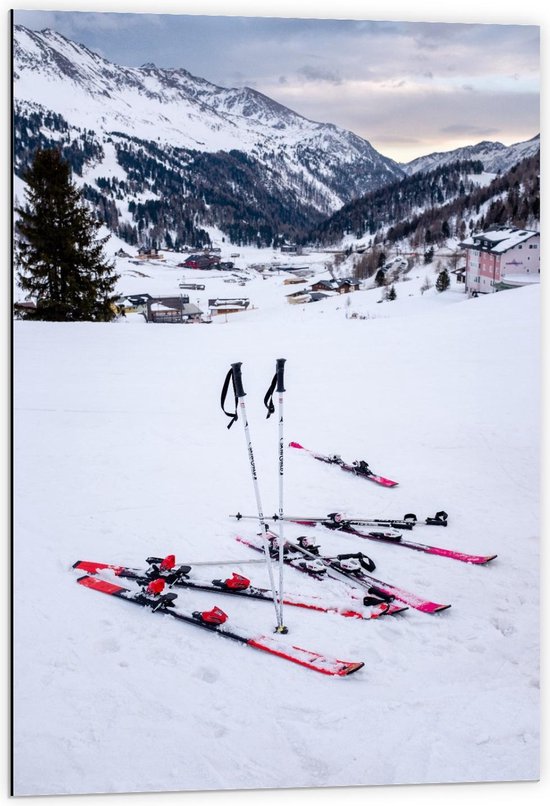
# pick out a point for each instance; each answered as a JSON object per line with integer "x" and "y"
{"x": 489, "y": 559}
{"x": 295, "y": 445}
{"x": 349, "y": 668}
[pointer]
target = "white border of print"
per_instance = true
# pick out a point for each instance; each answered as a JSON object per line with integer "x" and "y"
{"x": 505, "y": 11}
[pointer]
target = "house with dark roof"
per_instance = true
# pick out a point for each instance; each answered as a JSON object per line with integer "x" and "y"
{"x": 201, "y": 262}
{"x": 504, "y": 257}
{"x": 340, "y": 286}
{"x": 172, "y": 310}
{"x": 132, "y": 303}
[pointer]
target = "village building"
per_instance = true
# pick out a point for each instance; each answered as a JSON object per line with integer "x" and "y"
{"x": 132, "y": 303}
{"x": 342, "y": 286}
{"x": 223, "y": 306}
{"x": 504, "y": 257}
{"x": 149, "y": 254}
{"x": 172, "y": 310}
{"x": 199, "y": 261}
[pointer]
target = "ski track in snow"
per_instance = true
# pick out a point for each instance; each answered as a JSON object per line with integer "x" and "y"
{"x": 122, "y": 452}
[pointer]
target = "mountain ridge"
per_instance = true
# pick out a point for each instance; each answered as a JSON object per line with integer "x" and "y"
{"x": 163, "y": 154}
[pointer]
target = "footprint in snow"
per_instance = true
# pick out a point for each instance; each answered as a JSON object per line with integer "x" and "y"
{"x": 209, "y": 675}
{"x": 108, "y": 645}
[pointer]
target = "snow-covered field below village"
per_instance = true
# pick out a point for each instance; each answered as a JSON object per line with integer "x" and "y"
{"x": 122, "y": 452}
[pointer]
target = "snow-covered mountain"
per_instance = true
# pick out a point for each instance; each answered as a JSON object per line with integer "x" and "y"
{"x": 496, "y": 157}
{"x": 322, "y": 165}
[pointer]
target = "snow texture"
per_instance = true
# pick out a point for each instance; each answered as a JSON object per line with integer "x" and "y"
{"x": 122, "y": 452}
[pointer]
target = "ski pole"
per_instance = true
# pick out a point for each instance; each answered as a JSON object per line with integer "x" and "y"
{"x": 235, "y": 375}
{"x": 278, "y": 385}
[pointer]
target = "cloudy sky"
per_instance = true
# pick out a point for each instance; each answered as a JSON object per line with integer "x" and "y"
{"x": 410, "y": 88}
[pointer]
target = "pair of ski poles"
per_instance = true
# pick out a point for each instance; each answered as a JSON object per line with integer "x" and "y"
{"x": 235, "y": 377}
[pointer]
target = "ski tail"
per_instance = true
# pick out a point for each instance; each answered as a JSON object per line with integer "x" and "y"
{"x": 307, "y": 658}
{"x": 93, "y": 568}
{"x": 102, "y": 585}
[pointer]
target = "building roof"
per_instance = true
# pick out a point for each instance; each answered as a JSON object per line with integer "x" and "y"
{"x": 498, "y": 240}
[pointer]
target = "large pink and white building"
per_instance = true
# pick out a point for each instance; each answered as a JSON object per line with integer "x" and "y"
{"x": 504, "y": 257}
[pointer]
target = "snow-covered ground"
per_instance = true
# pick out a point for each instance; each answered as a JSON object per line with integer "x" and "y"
{"x": 122, "y": 452}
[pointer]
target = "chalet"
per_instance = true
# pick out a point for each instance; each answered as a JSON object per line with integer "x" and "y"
{"x": 132, "y": 303}
{"x": 302, "y": 297}
{"x": 503, "y": 257}
{"x": 201, "y": 262}
{"x": 220, "y": 306}
{"x": 299, "y": 297}
{"x": 172, "y": 310}
{"x": 294, "y": 281}
{"x": 343, "y": 286}
{"x": 149, "y": 254}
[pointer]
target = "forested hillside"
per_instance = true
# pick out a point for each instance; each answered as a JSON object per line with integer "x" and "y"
{"x": 449, "y": 201}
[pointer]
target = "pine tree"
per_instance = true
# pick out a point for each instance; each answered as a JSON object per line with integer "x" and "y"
{"x": 380, "y": 278}
{"x": 443, "y": 281}
{"x": 391, "y": 294}
{"x": 60, "y": 261}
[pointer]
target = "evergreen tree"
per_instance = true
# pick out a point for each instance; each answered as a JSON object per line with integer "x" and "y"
{"x": 60, "y": 261}
{"x": 443, "y": 281}
{"x": 380, "y": 278}
{"x": 391, "y": 294}
{"x": 429, "y": 255}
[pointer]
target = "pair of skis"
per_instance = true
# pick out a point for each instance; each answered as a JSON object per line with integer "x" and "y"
{"x": 214, "y": 620}
{"x": 178, "y": 576}
{"x": 318, "y": 566}
{"x": 337, "y": 522}
{"x": 165, "y": 572}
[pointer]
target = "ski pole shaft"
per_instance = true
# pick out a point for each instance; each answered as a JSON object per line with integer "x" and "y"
{"x": 240, "y": 394}
{"x": 280, "y": 370}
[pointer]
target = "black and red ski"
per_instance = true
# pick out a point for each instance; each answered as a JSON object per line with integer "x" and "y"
{"x": 358, "y": 469}
{"x": 235, "y": 585}
{"x": 337, "y": 522}
{"x": 214, "y": 621}
{"x": 339, "y": 568}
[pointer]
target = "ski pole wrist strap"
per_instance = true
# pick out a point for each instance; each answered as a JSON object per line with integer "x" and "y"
{"x": 232, "y": 414}
{"x": 268, "y": 399}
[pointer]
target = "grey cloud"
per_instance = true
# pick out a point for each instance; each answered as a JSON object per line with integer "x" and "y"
{"x": 310, "y": 73}
{"x": 468, "y": 130}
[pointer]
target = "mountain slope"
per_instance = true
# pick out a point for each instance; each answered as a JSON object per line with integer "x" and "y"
{"x": 430, "y": 207}
{"x": 317, "y": 166}
{"x": 495, "y": 157}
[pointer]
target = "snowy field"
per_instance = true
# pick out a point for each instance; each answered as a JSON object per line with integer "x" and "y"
{"x": 122, "y": 452}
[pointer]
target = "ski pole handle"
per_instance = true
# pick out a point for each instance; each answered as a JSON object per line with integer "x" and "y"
{"x": 238, "y": 379}
{"x": 280, "y": 372}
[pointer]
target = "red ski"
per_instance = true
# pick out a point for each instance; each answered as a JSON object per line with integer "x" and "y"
{"x": 235, "y": 585}
{"x": 214, "y": 620}
{"x": 330, "y": 566}
{"x": 358, "y": 469}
